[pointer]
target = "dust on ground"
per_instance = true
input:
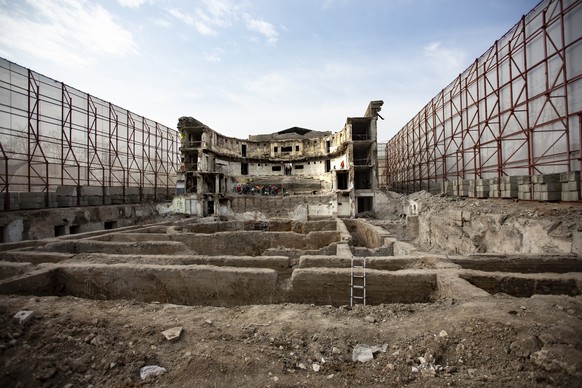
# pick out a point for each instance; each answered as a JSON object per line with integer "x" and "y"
{"x": 497, "y": 340}
{"x": 493, "y": 341}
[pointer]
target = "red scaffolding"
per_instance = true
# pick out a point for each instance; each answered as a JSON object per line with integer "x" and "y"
{"x": 52, "y": 135}
{"x": 515, "y": 111}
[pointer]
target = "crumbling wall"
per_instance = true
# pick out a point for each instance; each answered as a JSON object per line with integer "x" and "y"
{"x": 463, "y": 231}
{"x": 47, "y": 223}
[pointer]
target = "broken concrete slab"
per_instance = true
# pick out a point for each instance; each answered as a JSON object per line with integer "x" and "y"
{"x": 173, "y": 334}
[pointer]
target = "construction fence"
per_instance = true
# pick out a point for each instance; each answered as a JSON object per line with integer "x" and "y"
{"x": 62, "y": 147}
{"x": 515, "y": 112}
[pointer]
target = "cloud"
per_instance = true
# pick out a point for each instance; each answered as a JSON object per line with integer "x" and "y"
{"x": 264, "y": 28}
{"x": 213, "y": 57}
{"x": 446, "y": 62}
{"x": 215, "y": 15}
{"x": 131, "y": 3}
{"x": 181, "y": 16}
{"x": 65, "y": 32}
{"x": 161, "y": 22}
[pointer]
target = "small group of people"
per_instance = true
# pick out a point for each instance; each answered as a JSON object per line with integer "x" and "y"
{"x": 252, "y": 189}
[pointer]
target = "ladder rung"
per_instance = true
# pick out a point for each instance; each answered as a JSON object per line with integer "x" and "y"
{"x": 354, "y": 286}
{"x": 359, "y": 276}
{"x": 358, "y": 297}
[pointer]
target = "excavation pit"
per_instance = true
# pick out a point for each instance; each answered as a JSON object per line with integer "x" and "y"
{"x": 524, "y": 286}
{"x": 193, "y": 262}
{"x": 217, "y": 285}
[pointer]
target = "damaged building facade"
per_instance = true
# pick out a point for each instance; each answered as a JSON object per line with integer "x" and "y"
{"x": 340, "y": 165}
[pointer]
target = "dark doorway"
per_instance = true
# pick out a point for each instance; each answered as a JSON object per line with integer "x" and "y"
{"x": 365, "y": 204}
{"x": 60, "y": 230}
{"x": 342, "y": 180}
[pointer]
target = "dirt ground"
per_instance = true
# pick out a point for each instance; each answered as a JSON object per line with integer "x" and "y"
{"x": 492, "y": 341}
{"x": 495, "y": 340}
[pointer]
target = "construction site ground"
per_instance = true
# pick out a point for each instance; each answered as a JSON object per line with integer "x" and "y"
{"x": 481, "y": 341}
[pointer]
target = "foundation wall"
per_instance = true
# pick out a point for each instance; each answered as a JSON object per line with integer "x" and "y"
{"x": 188, "y": 285}
{"x": 366, "y": 235}
{"x": 463, "y": 232}
{"x": 331, "y": 286}
{"x": 48, "y": 223}
{"x": 254, "y": 243}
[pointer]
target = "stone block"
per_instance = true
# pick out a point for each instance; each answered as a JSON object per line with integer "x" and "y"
{"x": 148, "y": 191}
{"x": 570, "y": 176}
{"x": 547, "y": 196}
{"x": 132, "y": 191}
{"x": 116, "y": 191}
{"x": 23, "y": 317}
{"x": 570, "y": 186}
{"x": 526, "y": 195}
{"x": 94, "y": 200}
{"x": 92, "y": 191}
{"x": 546, "y": 178}
{"x": 67, "y": 191}
{"x": 547, "y": 187}
{"x": 63, "y": 201}
{"x": 173, "y": 334}
{"x": 570, "y": 196}
{"x": 14, "y": 201}
{"x": 37, "y": 200}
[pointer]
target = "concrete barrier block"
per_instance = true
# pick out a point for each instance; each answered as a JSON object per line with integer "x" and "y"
{"x": 546, "y": 178}
{"x": 547, "y": 187}
{"x": 570, "y": 196}
{"x": 570, "y": 176}
{"x": 547, "y": 196}
{"x": 92, "y": 191}
{"x": 23, "y": 317}
{"x": 116, "y": 191}
{"x": 67, "y": 191}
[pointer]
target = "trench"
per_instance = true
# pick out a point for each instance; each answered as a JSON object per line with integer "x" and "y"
{"x": 264, "y": 262}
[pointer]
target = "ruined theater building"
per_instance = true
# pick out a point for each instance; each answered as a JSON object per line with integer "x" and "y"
{"x": 341, "y": 165}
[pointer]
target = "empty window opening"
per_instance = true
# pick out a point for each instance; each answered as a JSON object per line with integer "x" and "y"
{"x": 363, "y": 179}
{"x": 244, "y": 150}
{"x": 244, "y": 169}
{"x": 299, "y": 167}
{"x": 275, "y": 149}
{"x": 109, "y": 225}
{"x": 276, "y": 168}
{"x": 328, "y": 146}
{"x": 286, "y": 149}
{"x": 327, "y": 165}
{"x": 365, "y": 204}
{"x": 361, "y": 129}
{"x": 2, "y": 238}
{"x": 74, "y": 229}
{"x": 210, "y": 207}
{"x": 342, "y": 180}
{"x": 362, "y": 157}
{"x": 297, "y": 148}
{"x": 210, "y": 182}
{"x": 60, "y": 230}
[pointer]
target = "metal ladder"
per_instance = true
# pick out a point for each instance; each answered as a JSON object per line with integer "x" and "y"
{"x": 358, "y": 280}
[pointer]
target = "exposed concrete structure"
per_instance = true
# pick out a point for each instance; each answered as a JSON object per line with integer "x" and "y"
{"x": 342, "y": 165}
